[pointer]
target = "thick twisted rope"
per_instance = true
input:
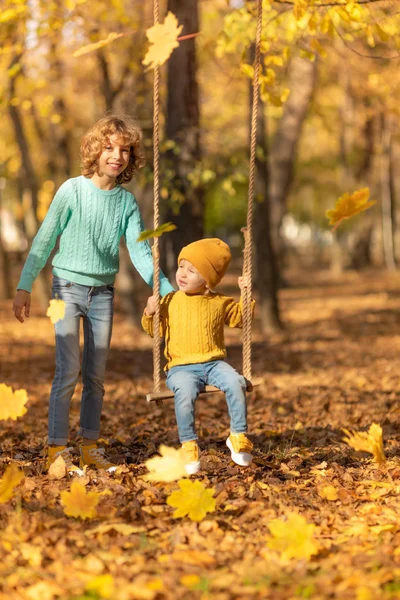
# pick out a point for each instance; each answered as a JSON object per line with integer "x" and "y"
{"x": 248, "y": 230}
{"x": 156, "y": 210}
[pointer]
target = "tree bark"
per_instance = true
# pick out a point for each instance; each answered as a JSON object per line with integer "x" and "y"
{"x": 302, "y": 79}
{"x": 386, "y": 192}
{"x": 183, "y": 128}
{"x": 266, "y": 264}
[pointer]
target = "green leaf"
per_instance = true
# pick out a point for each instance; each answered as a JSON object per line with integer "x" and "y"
{"x": 150, "y": 233}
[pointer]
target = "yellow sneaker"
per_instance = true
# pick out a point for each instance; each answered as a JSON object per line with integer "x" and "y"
{"x": 192, "y": 455}
{"x": 93, "y": 456}
{"x": 240, "y": 447}
{"x": 55, "y": 451}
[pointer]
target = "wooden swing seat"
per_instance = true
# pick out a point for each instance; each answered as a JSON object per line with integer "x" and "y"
{"x": 209, "y": 389}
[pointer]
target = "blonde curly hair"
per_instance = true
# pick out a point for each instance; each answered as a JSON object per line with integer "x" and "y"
{"x": 96, "y": 139}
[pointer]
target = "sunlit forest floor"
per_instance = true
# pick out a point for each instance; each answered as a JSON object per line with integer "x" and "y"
{"x": 336, "y": 365}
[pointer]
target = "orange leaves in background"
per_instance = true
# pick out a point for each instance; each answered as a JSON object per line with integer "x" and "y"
{"x": 79, "y": 503}
{"x": 170, "y": 466}
{"x": 11, "y": 478}
{"x": 367, "y": 441}
{"x": 192, "y": 499}
{"x": 56, "y": 310}
{"x": 348, "y": 206}
{"x": 293, "y": 538}
{"x": 92, "y": 47}
{"x": 12, "y": 404}
{"x": 163, "y": 39}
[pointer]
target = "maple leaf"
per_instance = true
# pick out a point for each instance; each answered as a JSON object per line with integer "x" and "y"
{"x": 348, "y": 206}
{"x": 12, "y": 404}
{"x": 95, "y": 46}
{"x": 170, "y": 466}
{"x": 79, "y": 503}
{"x": 150, "y": 233}
{"x": 163, "y": 39}
{"x": 11, "y": 478}
{"x": 367, "y": 441}
{"x": 293, "y": 538}
{"x": 56, "y": 310}
{"x": 193, "y": 500}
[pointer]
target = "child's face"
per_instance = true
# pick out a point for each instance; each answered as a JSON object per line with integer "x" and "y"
{"x": 115, "y": 157}
{"x": 189, "y": 279}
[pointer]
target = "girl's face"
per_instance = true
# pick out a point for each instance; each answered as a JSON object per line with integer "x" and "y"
{"x": 189, "y": 279}
{"x": 115, "y": 157}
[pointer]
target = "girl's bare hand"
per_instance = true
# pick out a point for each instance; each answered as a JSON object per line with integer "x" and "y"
{"x": 22, "y": 305}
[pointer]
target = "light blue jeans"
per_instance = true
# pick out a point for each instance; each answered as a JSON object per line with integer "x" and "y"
{"x": 96, "y": 306}
{"x": 186, "y": 381}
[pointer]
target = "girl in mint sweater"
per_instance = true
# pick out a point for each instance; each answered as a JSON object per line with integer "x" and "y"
{"x": 90, "y": 214}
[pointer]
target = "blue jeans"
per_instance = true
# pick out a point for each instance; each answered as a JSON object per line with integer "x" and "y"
{"x": 96, "y": 306}
{"x": 186, "y": 381}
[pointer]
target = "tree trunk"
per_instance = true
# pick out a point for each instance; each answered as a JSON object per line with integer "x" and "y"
{"x": 183, "y": 128}
{"x": 266, "y": 265}
{"x": 302, "y": 79}
{"x": 30, "y": 186}
{"x": 386, "y": 191}
{"x": 6, "y": 290}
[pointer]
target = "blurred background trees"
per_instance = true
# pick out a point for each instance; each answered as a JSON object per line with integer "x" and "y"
{"x": 328, "y": 123}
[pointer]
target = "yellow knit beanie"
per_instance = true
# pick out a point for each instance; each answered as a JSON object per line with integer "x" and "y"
{"x": 211, "y": 257}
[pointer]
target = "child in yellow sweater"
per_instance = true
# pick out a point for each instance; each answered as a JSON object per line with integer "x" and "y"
{"x": 192, "y": 322}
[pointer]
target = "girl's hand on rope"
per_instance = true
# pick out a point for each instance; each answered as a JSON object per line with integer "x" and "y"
{"x": 243, "y": 282}
{"x": 151, "y": 306}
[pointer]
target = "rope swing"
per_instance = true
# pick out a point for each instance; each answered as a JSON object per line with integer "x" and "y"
{"x": 157, "y": 395}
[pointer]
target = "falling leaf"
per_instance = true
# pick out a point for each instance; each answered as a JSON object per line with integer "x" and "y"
{"x": 100, "y": 44}
{"x": 152, "y": 233}
{"x": 79, "y": 503}
{"x": 293, "y": 538}
{"x": 328, "y": 492}
{"x": 193, "y": 500}
{"x": 367, "y": 441}
{"x": 56, "y": 310}
{"x": 163, "y": 39}
{"x": 12, "y": 404}
{"x": 11, "y": 478}
{"x": 170, "y": 466}
{"x": 348, "y": 206}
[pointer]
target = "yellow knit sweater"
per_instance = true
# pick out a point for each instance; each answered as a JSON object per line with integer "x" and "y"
{"x": 193, "y": 326}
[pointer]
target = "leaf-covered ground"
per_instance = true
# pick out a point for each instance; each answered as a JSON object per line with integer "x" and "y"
{"x": 337, "y": 365}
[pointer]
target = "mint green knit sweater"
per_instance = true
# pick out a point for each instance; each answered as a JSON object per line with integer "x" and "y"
{"x": 90, "y": 223}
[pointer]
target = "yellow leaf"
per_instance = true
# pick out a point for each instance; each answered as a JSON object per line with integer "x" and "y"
{"x": 79, "y": 503}
{"x": 329, "y": 492}
{"x": 122, "y": 528}
{"x": 367, "y": 441}
{"x": 193, "y": 500}
{"x": 163, "y": 39}
{"x": 57, "y": 469}
{"x": 348, "y": 206}
{"x": 190, "y": 580}
{"x": 56, "y": 310}
{"x": 100, "y": 44}
{"x": 102, "y": 585}
{"x": 293, "y": 538}
{"x": 170, "y": 466}
{"x": 11, "y": 478}
{"x": 150, "y": 233}
{"x": 12, "y": 404}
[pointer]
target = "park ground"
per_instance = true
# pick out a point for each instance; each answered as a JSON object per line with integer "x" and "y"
{"x": 336, "y": 365}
